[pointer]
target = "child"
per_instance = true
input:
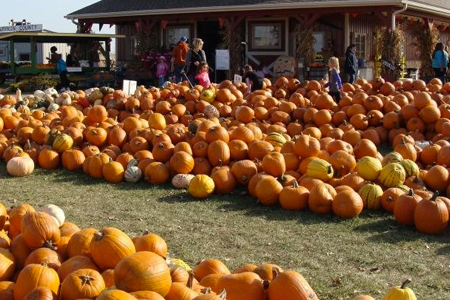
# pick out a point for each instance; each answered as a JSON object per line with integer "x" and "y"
{"x": 253, "y": 80}
{"x": 203, "y": 75}
{"x": 335, "y": 82}
{"x": 162, "y": 69}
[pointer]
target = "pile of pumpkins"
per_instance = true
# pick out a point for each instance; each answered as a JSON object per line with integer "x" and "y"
{"x": 43, "y": 256}
{"x": 289, "y": 143}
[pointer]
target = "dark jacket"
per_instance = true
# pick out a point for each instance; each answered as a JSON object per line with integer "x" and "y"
{"x": 351, "y": 62}
{"x": 191, "y": 58}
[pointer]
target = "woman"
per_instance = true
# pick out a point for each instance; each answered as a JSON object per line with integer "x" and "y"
{"x": 194, "y": 57}
{"x": 351, "y": 63}
{"x": 440, "y": 62}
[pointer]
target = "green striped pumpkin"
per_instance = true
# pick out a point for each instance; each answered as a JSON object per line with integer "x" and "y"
{"x": 276, "y": 139}
{"x": 62, "y": 143}
{"x": 411, "y": 168}
{"x": 392, "y": 175}
{"x": 371, "y": 195}
{"x": 320, "y": 169}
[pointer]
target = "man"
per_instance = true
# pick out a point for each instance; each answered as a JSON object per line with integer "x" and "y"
{"x": 351, "y": 63}
{"x": 179, "y": 58}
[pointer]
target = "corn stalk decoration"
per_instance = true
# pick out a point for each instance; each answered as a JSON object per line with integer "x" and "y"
{"x": 425, "y": 39}
{"x": 389, "y": 49}
{"x": 231, "y": 40}
{"x": 304, "y": 43}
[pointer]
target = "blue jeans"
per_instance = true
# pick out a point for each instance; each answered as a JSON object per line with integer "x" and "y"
{"x": 177, "y": 71}
{"x": 161, "y": 80}
{"x": 351, "y": 78}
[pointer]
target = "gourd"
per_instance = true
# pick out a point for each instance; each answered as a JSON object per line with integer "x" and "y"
{"x": 132, "y": 173}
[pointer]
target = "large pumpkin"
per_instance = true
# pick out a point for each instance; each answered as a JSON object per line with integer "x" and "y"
{"x": 242, "y": 286}
{"x": 109, "y": 246}
{"x": 39, "y": 229}
{"x": 143, "y": 271}
{"x": 321, "y": 198}
{"x": 35, "y": 275}
{"x": 82, "y": 284}
{"x": 431, "y": 215}
{"x": 210, "y": 266}
{"x": 347, "y": 203}
{"x": 291, "y": 285}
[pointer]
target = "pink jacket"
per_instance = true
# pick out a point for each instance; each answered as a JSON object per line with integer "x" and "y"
{"x": 203, "y": 79}
{"x": 162, "y": 69}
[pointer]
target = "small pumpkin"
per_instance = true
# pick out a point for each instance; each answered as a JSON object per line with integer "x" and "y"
{"x": 82, "y": 284}
{"x": 201, "y": 186}
{"x": 181, "y": 181}
{"x": 411, "y": 168}
{"x": 401, "y": 292}
{"x": 20, "y": 166}
{"x": 290, "y": 285}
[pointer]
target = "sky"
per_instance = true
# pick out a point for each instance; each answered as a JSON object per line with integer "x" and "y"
{"x": 49, "y": 13}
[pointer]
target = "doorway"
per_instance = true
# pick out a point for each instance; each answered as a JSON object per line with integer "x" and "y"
{"x": 209, "y": 32}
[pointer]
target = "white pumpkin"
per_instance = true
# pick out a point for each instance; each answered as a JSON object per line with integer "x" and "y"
{"x": 63, "y": 99}
{"x": 52, "y": 107}
{"x": 132, "y": 173}
{"x": 181, "y": 181}
{"x": 20, "y": 166}
{"x": 51, "y": 92}
{"x": 56, "y": 212}
{"x": 39, "y": 94}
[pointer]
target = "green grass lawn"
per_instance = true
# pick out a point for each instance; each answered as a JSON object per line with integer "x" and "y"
{"x": 339, "y": 258}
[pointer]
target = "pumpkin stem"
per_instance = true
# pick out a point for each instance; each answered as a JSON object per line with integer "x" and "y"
{"x": 190, "y": 282}
{"x": 435, "y": 195}
{"x": 223, "y": 294}
{"x": 49, "y": 244}
{"x": 405, "y": 283}
{"x": 85, "y": 279}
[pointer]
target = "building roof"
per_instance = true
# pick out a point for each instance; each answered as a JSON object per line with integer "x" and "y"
{"x": 120, "y": 8}
{"x": 51, "y": 37}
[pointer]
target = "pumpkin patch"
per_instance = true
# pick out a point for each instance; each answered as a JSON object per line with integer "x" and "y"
{"x": 295, "y": 148}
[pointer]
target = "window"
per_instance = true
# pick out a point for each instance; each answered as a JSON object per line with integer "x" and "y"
{"x": 24, "y": 56}
{"x": 361, "y": 45}
{"x": 319, "y": 44}
{"x": 267, "y": 35}
{"x": 175, "y": 32}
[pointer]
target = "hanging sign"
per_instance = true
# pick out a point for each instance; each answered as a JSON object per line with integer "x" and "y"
{"x": 222, "y": 59}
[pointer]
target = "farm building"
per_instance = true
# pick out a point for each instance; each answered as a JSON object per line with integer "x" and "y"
{"x": 260, "y": 32}
{"x": 22, "y": 51}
